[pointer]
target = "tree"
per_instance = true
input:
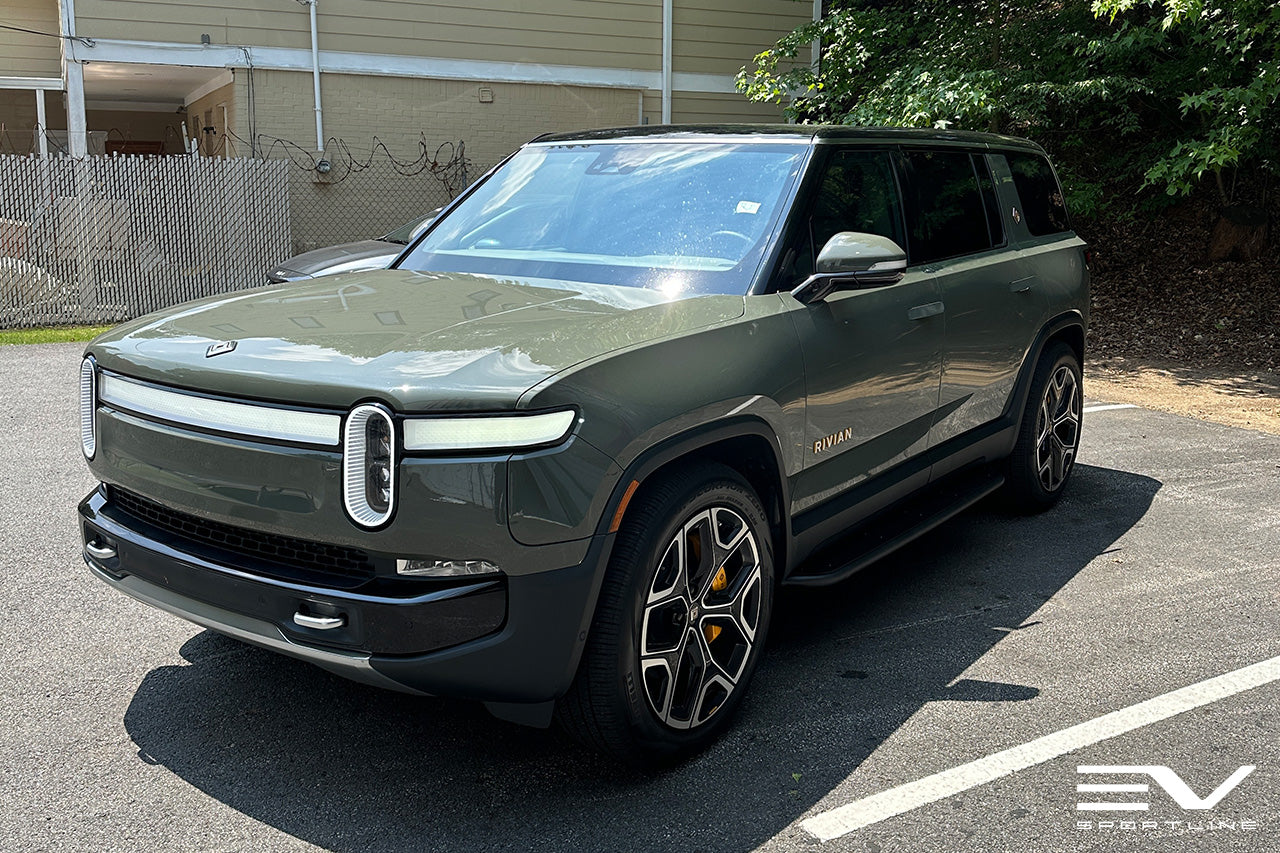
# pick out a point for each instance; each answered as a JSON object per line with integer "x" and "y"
{"x": 1149, "y": 92}
{"x": 1230, "y": 98}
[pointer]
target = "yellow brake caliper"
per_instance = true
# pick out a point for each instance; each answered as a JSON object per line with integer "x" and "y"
{"x": 718, "y": 583}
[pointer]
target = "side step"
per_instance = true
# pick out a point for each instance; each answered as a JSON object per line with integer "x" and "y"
{"x": 890, "y": 529}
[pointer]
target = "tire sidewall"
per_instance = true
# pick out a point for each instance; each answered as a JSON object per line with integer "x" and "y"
{"x": 1025, "y": 454}
{"x": 654, "y": 736}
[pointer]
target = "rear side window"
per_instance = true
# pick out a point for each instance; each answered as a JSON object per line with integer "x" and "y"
{"x": 947, "y": 213}
{"x": 1042, "y": 202}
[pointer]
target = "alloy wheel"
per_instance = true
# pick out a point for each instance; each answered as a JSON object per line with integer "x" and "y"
{"x": 700, "y": 619}
{"x": 1058, "y": 428}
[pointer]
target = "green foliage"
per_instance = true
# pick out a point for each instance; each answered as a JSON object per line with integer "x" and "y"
{"x": 1230, "y": 99}
{"x": 1190, "y": 87}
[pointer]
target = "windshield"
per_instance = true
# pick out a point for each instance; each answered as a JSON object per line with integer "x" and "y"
{"x": 677, "y": 217}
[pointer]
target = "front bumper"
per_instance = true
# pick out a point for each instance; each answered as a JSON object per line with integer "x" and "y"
{"x": 514, "y": 640}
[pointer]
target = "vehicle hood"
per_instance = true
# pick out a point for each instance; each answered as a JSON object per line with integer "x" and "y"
{"x": 317, "y": 261}
{"x": 418, "y": 341}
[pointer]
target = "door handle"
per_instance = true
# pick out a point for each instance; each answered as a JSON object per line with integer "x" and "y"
{"x": 1021, "y": 285}
{"x": 931, "y": 309}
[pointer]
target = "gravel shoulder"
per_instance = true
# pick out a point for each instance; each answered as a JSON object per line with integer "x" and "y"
{"x": 1250, "y": 400}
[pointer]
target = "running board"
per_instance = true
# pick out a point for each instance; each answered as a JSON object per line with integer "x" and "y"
{"x": 890, "y": 529}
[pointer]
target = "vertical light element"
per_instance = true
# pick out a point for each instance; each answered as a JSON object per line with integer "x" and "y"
{"x": 815, "y": 46}
{"x": 73, "y": 79}
{"x": 43, "y": 139}
{"x": 315, "y": 77}
{"x": 88, "y": 408}
{"x": 666, "y": 60}
{"x": 369, "y": 465}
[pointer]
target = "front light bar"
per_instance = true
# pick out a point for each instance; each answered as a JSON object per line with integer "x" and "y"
{"x": 491, "y": 432}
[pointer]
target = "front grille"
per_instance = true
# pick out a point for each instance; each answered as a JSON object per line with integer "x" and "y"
{"x": 267, "y": 548}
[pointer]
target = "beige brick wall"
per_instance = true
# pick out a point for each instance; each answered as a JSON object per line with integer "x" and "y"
{"x": 399, "y": 109}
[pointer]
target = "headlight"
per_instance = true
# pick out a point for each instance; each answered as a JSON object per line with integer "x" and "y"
{"x": 88, "y": 408}
{"x": 493, "y": 432}
{"x": 369, "y": 465}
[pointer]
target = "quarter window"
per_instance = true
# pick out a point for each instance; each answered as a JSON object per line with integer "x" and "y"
{"x": 1041, "y": 197}
{"x": 947, "y": 215}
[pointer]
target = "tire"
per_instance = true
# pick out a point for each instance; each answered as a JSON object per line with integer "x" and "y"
{"x": 1043, "y": 459}
{"x": 657, "y": 681}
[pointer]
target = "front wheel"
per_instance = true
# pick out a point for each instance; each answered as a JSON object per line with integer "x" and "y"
{"x": 1049, "y": 433}
{"x": 681, "y": 619}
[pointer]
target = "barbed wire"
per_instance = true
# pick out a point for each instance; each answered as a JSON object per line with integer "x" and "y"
{"x": 447, "y": 162}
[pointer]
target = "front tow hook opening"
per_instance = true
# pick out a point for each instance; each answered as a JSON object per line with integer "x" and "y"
{"x": 100, "y": 551}
{"x": 319, "y": 623}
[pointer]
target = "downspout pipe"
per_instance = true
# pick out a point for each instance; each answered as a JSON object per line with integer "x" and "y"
{"x": 315, "y": 76}
{"x": 666, "y": 61}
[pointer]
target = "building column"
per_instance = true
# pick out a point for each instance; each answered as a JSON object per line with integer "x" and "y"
{"x": 77, "y": 124}
{"x": 42, "y": 124}
{"x": 73, "y": 78}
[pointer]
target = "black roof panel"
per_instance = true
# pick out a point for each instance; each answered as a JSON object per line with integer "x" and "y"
{"x": 805, "y": 132}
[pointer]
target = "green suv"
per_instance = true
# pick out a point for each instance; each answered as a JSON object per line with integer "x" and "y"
{"x": 561, "y": 456}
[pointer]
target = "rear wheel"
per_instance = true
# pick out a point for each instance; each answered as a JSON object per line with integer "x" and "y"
{"x": 681, "y": 619}
{"x": 1049, "y": 434}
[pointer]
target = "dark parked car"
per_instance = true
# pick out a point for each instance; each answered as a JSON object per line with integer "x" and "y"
{"x": 375, "y": 254}
{"x": 562, "y": 456}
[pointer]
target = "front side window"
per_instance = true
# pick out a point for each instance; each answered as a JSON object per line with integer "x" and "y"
{"x": 946, "y": 214}
{"x": 683, "y": 217}
{"x": 1041, "y": 197}
{"x": 857, "y": 192}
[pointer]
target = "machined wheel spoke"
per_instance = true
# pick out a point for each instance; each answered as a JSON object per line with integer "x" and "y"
{"x": 743, "y": 608}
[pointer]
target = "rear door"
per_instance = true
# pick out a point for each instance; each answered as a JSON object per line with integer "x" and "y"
{"x": 993, "y": 305}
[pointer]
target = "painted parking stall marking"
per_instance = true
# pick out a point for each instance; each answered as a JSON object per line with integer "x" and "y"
{"x": 1107, "y": 407}
{"x": 856, "y": 815}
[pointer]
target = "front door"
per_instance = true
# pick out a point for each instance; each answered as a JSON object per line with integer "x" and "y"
{"x": 872, "y": 357}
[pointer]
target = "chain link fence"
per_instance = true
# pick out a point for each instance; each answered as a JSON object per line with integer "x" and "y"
{"x": 105, "y": 239}
{"x": 348, "y": 194}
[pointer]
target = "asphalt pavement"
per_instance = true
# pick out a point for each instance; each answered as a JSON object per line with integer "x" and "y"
{"x": 1144, "y": 607}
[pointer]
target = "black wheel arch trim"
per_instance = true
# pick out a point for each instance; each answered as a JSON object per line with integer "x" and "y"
{"x": 650, "y": 461}
{"x": 1051, "y": 329}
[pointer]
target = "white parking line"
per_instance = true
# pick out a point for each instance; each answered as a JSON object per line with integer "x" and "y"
{"x": 1106, "y": 407}
{"x": 847, "y": 818}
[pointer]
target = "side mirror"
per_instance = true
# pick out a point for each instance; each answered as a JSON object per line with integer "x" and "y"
{"x": 852, "y": 260}
{"x": 425, "y": 223}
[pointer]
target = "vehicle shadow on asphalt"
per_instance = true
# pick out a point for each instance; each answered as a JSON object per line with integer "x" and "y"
{"x": 353, "y": 768}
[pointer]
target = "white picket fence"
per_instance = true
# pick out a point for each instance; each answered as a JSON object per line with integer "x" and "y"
{"x": 106, "y": 239}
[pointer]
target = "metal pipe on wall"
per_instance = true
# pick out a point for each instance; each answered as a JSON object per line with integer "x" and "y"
{"x": 666, "y": 61}
{"x": 315, "y": 75}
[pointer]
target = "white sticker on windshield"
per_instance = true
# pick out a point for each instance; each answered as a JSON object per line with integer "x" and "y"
{"x": 752, "y": 207}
